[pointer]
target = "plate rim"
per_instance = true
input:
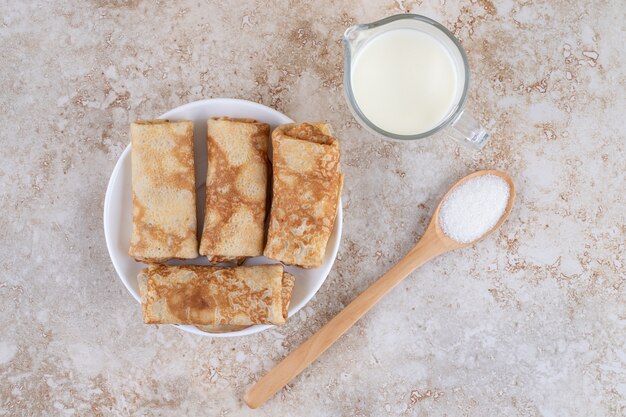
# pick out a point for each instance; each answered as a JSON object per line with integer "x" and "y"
{"x": 107, "y": 224}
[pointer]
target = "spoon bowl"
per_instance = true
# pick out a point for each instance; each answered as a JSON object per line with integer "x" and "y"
{"x": 434, "y": 242}
{"x": 434, "y": 227}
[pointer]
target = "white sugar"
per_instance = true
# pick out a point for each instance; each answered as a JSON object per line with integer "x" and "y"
{"x": 474, "y": 208}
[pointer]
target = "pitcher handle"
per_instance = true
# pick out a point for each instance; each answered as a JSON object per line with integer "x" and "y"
{"x": 468, "y": 131}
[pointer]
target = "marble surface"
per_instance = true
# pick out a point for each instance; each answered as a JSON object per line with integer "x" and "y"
{"x": 531, "y": 322}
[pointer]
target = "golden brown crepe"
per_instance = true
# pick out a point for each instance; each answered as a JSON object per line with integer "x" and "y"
{"x": 307, "y": 182}
{"x": 208, "y": 295}
{"x": 164, "y": 193}
{"x": 288, "y": 284}
{"x": 236, "y": 189}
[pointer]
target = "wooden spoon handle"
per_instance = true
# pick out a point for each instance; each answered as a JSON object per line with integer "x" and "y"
{"x": 310, "y": 350}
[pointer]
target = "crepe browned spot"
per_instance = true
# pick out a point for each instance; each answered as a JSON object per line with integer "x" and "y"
{"x": 207, "y": 295}
{"x": 307, "y": 182}
{"x": 236, "y": 189}
{"x": 164, "y": 194}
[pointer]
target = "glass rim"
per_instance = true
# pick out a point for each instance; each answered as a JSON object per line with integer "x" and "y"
{"x": 347, "y": 76}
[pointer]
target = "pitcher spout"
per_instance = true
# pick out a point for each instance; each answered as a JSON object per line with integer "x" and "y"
{"x": 350, "y": 36}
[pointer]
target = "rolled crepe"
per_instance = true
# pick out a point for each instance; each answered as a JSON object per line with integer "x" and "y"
{"x": 236, "y": 189}
{"x": 288, "y": 284}
{"x": 307, "y": 182}
{"x": 164, "y": 193}
{"x": 207, "y": 295}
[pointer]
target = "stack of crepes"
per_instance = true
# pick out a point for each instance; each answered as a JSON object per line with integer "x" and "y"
{"x": 306, "y": 187}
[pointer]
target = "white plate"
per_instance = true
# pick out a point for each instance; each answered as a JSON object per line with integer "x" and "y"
{"x": 118, "y": 207}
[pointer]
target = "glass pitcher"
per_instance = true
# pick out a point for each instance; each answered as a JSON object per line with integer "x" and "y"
{"x": 457, "y": 123}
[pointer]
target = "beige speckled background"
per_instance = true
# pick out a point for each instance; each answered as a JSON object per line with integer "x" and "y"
{"x": 531, "y": 322}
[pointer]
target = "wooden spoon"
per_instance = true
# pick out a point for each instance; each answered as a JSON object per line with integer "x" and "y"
{"x": 433, "y": 243}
